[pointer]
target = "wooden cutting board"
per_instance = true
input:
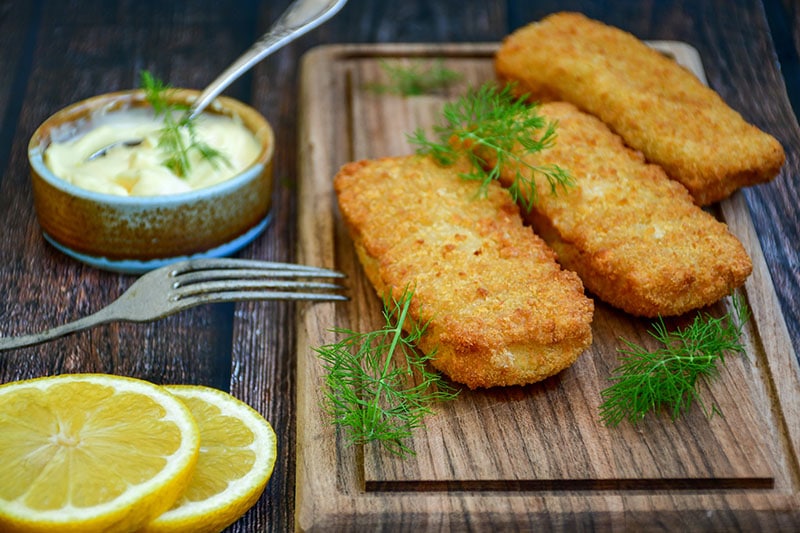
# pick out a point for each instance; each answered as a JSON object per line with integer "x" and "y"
{"x": 534, "y": 457}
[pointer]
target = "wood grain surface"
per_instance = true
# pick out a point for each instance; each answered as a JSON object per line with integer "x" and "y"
{"x": 480, "y": 457}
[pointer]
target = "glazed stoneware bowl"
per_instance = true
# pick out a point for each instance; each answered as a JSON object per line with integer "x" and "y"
{"x": 135, "y": 234}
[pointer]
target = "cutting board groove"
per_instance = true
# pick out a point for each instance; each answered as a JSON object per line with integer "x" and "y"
{"x": 535, "y": 454}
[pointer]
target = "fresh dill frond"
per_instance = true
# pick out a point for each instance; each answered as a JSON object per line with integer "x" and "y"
{"x": 379, "y": 387}
{"x": 491, "y": 124}
{"x": 156, "y": 92}
{"x": 174, "y": 145}
{"x": 667, "y": 378}
{"x": 415, "y": 78}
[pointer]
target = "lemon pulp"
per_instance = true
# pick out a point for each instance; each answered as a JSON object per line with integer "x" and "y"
{"x": 238, "y": 449}
{"x": 85, "y": 452}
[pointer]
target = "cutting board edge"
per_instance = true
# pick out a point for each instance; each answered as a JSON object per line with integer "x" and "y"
{"x": 347, "y": 504}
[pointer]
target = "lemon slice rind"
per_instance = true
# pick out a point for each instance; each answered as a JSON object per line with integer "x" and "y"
{"x": 222, "y": 509}
{"x": 139, "y": 503}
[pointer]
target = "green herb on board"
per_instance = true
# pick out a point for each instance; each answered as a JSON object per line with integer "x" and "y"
{"x": 415, "y": 78}
{"x": 379, "y": 388}
{"x": 491, "y": 120}
{"x": 667, "y": 378}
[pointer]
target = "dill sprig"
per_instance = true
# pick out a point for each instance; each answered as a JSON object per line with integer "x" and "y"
{"x": 488, "y": 123}
{"x": 667, "y": 377}
{"x": 174, "y": 145}
{"x": 379, "y": 388}
{"x": 415, "y": 78}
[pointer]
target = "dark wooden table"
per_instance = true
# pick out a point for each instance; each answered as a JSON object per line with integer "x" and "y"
{"x": 53, "y": 53}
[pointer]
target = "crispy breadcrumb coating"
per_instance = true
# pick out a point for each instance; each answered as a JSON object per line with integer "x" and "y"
{"x": 653, "y": 103}
{"x": 500, "y": 309}
{"x": 635, "y": 237}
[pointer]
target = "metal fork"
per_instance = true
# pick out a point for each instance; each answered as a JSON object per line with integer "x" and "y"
{"x": 179, "y": 286}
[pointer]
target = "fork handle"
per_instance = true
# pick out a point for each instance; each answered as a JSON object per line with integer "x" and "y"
{"x": 101, "y": 317}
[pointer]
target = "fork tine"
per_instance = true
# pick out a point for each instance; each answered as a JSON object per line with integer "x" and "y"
{"x": 267, "y": 267}
{"x": 239, "y": 296}
{"x": 220, "y": 286}
{"x": 197, "y": 276}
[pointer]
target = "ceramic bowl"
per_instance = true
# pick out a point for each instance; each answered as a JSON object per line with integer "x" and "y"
{"x": 138, "y": 233}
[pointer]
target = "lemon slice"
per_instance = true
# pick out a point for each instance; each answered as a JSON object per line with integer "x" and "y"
{"x": 237, "y": 454}
{"x": 91, "y": 452}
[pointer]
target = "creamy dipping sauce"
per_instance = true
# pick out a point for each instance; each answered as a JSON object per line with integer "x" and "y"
{"x": 139, "y": 170}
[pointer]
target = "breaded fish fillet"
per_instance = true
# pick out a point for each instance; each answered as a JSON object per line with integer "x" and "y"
{"x": 635, "y": 237}
{"x": 656, "y": 105}
{"x": 500, "y": 309}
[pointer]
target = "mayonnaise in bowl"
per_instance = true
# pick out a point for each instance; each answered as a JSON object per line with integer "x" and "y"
{"x": 140, "y": 170}
{"x": 207, "y": 217}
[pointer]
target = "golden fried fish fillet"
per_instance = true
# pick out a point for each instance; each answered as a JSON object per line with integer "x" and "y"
{"x": 656, "y": 105}
{"x": 500, "y": 310}
{"x": 635, "y": 237}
